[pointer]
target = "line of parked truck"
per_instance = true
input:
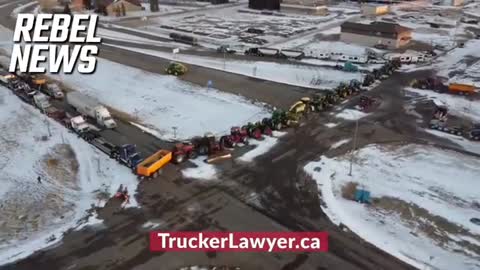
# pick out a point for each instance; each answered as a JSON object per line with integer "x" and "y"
{"x": 208, "y": 145}
{"x": 439, "y": 122}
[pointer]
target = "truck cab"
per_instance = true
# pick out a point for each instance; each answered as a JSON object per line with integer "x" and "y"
{"x": 79, "y": 125}
{"x": 54, "y": 91}
{"x": 128, "y": 155}
{"x": 41, "y": 101}
{"x": 103, "y": 117}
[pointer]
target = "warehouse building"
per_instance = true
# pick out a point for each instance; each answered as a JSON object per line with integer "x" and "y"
{"x": 309, "y": 7}
{"x": 113, "y": 6}
{"x": 264, "y": 4}
{"x": 388, "y": 35}
{"x": 374, "y": 9}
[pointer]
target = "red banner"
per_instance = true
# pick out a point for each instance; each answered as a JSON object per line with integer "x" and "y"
{"x": 239, "y": 241}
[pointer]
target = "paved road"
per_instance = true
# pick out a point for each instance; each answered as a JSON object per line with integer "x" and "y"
{"x": 270, "y": 194}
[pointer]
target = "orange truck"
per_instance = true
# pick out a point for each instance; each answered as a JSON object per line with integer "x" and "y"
{"x": 150, "y": 167}
{"x": 461, "y": 89}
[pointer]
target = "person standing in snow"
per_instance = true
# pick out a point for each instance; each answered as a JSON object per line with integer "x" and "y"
{"x": 39, "y": 180}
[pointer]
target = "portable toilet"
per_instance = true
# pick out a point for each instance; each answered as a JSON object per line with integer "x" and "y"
{"x": 362, "y": 196}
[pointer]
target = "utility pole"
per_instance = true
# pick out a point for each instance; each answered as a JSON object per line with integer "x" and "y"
{"x": 48, "y": 128}
{"x": 224, "y": 60}
{"x": 174, "y": 132}
{"x": 354, "y": 147}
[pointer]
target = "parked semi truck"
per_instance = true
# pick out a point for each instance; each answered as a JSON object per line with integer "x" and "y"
{"x": 125, "y": 154}
{"x": 88, "y": 106}
{"x": 291, "y": 54}
{"x": 54, "y": 91}
{"x": 42, "y": 102}
{"x": 263, "y": 52}
{"x": 77, "y": 124}
{"x": 150, "y": 167}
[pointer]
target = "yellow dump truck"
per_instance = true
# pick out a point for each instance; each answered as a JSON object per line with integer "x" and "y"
{"x": 150, "y": 167}
{"x": 461, "y": 89}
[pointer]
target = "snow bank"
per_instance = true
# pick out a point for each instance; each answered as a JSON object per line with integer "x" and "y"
{"x": 55, "y": 205}
{"x": 331, "y": 125}
{"x": 202, "y": 170}
{"x": 339, "y": 143}
{"x": 413, "y": 173}
{"x": 161, "y": 103}
{"x": 262, "y": 147}
{"x": 298, "y": 75}
{"x": 350, "y": 114}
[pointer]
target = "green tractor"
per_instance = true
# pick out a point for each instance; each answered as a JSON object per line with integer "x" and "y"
{"x": 355, "y": 85}
{"x": 177, "y": 69}
{"x": 332, "y": 98}
{"x": 343, "y": 90}
{"x": 293, "y": 118}
{"x": 278, "y": 120}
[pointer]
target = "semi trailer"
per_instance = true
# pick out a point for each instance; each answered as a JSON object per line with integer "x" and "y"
{"x": 88, "y": 106}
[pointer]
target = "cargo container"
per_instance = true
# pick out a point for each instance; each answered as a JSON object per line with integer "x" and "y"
{"x": 461, "y": 89}
{"x": 149, "y": 168}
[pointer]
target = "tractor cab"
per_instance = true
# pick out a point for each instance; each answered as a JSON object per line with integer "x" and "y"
{"x": 175, "y": 68}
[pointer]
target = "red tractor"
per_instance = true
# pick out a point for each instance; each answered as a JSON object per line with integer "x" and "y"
{"x": 183, "y": 151}
{"x": 253, "y": 131}
{"x": 367, "y": 102}
{"x": 236, "y": 137}
{"x": 266, "y": 130}
{"x": 206, "y": 145}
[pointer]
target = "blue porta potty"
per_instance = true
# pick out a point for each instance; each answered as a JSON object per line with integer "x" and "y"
{"x": 362, "y": 196}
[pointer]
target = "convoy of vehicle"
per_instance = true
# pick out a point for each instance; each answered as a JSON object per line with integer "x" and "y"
{"x": 86, "y": 108}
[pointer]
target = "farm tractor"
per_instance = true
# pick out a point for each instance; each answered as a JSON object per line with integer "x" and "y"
{"x": 175, "y": 68}
{"x": 343, "y": 90}
{"x": 427, "y": 83}
{"x": 366, "y": 103}
{"x": 302, "y": 107}
{"x": 183, "y": 151}
{"x": 369, "y": 79}
{"x": 208, "y": 145}
{"x": 355, "y": 85}
{"x": 253, "y": 131}
{"x": 396, "y": 63}
{"x": 278, "y": 120}
{"x": 237, "y": 136}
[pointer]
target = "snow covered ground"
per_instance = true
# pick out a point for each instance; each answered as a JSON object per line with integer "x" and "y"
{"x": 202, "y": 170}
{"x": 339, "y": 143}
{"x": 298, "y": 75}
{"x": 261, "y": 147}
{"x": 162, "y": 102}
{"x": 468, "y": 145}
{"x": 351, "y": 114}
{"x": 457, "y": 105}
{"x": 423, "y": 201}
{"x": 228, "y": 25}
{"x": 74, "y": 176}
